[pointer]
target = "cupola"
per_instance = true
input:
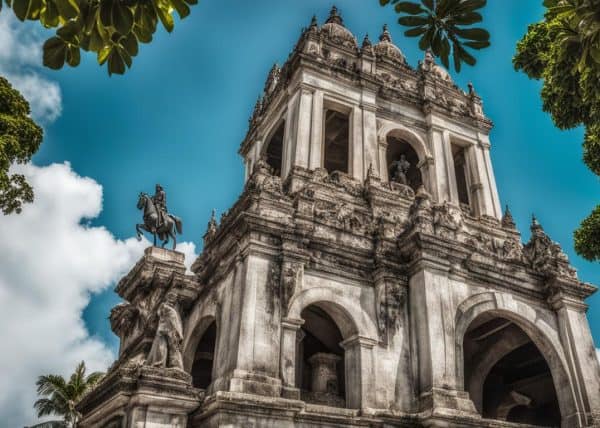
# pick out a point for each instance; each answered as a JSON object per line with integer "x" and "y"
{"x": 334, "y": 29}
{"x": 386, "y": 47}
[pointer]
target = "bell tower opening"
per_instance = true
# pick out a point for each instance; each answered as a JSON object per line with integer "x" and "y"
{"x": 336, "y": 141}
{"x": 204, "y": 358}
{"x": 402, "y": 163}
{"x": 274, "y": 149}
{"x": 461, "y": 173}
{"x": 320, "y": 369}
{"x": 506, "y": 375}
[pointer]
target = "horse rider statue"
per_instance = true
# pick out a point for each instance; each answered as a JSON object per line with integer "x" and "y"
{"x": 157, "y": 220}
{"x": 160, "y": 202}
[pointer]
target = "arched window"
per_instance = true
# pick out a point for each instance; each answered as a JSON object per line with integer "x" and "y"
{"x": 336, "y": 141}
{"x": 274, "y": 149}
{"x": 320, "y": 359}
{"x": 402, "y": 162}
{"x": 461, "y": 173}
{"x": 506, "y": 375}
{"x": 202, "y": 368}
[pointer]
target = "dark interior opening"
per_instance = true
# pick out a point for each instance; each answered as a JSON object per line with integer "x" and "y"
{"x": 460, "y": 170}
{"x": 204, "y": 357}
{"x": 321, "y": 335}
{"x": 519, "y": 386}
{"x": 337, "y": 141}
{"x": 274, "y": 151}
{"x": 396, "y": 149}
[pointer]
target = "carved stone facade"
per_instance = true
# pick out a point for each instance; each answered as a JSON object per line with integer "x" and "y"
{"x": 328, "y": 297}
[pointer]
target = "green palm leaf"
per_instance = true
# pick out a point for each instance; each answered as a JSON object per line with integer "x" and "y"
{"x": 443, "y": 27}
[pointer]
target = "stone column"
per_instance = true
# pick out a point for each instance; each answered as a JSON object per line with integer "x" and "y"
{"x": 382, "y": 166}
{"x": 290, "y": 331}
{"x": 441, "y": 185}
{"x": 289, "y": 137}
{"x": 433, "y": 327}
{"x": 494, "y": 208}
{"x": 580, "y": 353}
{"x": 371, "y": 149}
{"x": 316, "y": 136}
{"x": 360, "y": 372}
{"x": 304, "y": 123}
{"x": 356, "y": 144}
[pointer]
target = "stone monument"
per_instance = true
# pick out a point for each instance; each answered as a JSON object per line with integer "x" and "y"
{"x": 329, "y": 296}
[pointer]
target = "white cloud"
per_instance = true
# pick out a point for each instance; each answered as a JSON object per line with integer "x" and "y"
{"x": 50, "y": 262}
{"x": 21, "y": 61}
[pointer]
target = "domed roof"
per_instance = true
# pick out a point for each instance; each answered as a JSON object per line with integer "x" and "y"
{"x": 335, "y": 30}
{"x": 387, "y": 48}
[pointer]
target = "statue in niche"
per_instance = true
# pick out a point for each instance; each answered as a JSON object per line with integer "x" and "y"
{"x": 400, "y": 170}
{"x": 166, "y": 347}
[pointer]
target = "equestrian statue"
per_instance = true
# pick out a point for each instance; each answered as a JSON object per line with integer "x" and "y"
{"x": 157, "y": 219}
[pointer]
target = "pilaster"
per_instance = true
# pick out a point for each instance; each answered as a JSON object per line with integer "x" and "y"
{"x": 360, "y": 371}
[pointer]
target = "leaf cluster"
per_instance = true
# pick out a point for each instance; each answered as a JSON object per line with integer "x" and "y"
{"x": 60, "y": 396}
{"x": 444, "y": 26}
{"x": 113, "y": 29}
{"x": 20, "y": 138}
{"x": 563, "y": 50}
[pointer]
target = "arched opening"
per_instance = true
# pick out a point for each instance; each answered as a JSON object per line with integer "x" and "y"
{"x": 461, "y": 173}
{"x": 202, "y": 367}
{"x": 274, "y": 151}
{"x": 336, "y": 141}
{"x": 506, "y": 375}
{"x": 320, "y": 363}
{"x": 402, "y": 162}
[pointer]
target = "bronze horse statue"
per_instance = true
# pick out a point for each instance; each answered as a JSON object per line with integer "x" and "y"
{"x": 167, "y": 229}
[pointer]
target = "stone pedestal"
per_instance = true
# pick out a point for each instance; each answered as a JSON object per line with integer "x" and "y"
{"x": 143, "y": 396}
{"x": 324, "y": 373}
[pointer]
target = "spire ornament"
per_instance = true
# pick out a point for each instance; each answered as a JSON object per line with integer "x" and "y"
{"x": 366, "y": 44}
{"x": 507, "y": 219}
{"x": 334, "y": 17}
{"x": 385, "y": 35}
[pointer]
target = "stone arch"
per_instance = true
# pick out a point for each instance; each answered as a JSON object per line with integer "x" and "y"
{"x": 272, "y": 148}
{"x": 524, "y": 316}
{"x": 416, "y": 142}
{"x": 347, "y": 314}
{"x": 408, "y": 135}
{"x": 196, "y": 324}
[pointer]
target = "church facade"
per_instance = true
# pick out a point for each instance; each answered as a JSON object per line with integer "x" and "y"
{"x": 367, "y": 275}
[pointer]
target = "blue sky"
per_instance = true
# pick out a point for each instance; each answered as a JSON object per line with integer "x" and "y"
{"x": 178, "y": 116}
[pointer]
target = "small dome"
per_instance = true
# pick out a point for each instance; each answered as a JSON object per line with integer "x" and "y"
{"x": 386, "y": 47}
{"x": 335, "y": 30}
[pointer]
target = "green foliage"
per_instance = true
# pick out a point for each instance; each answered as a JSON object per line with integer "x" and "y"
{"x": 20, "y": 138}
{"x": 563, "y": 50}
{"x": 587, "y": 237}
{"x": 443, "y": 27}
{"x": 60, "y": 396}
{"x": 113, "y": 29}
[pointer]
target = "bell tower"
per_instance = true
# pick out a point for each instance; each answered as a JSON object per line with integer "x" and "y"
{"x": 315, "y": 113}
{"x": 366, "y": 275}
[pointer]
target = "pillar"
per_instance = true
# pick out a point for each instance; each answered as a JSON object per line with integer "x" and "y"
{"x": 290, "y": 335}
{"x": 360, "y": 372}
{"x": 316, "y": 136}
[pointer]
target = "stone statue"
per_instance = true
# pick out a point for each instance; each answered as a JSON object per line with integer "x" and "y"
{"x": 166, "y": 347}
{"x": 160, "y": 202}
{"x": 157, "y": 220}
{"x": 400, "y": 168}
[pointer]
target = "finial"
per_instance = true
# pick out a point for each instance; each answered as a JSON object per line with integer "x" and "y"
{"x": 507, "y": 219}
{"x": 535, "y": 224}
{"x": 385, "y": 35}
{"x": 313, "y": 22}
{"x": 334, "y": 16}
{"x": 366, "y": 42}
